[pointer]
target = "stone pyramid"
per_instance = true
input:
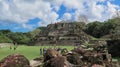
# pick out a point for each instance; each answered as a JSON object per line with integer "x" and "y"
{"x": 61, "y": 34}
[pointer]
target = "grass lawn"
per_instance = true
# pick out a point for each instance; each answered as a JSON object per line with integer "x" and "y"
{"x": 29, "y": 52}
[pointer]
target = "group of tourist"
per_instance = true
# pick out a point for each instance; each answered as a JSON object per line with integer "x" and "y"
{"x": 14, "y": 47}
{"x": 43, "y": 50}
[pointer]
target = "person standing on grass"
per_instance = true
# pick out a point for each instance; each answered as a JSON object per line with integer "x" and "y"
{"x": 10, "y": 47}
{"x": 15, "y": 45}
{"x": 41, "y": 51}
{"x": 44, "y": 50}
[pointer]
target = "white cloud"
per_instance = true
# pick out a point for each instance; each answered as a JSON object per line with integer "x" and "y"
{"x": 73, "y": 4}
{"x": 95, "y": 11}
{"x": 21, "y": 11}
{"x": 55, "y": 3}
{"x": 111, "y": 8}
{"x": 67, "y": 16}
{"x": 27, "y": 26}
{"x": 42, "y": 24}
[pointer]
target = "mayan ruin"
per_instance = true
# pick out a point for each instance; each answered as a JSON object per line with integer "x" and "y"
{"x": 62, "y": 34}
{"x": 59, "y": 33}
{"x": 91, "y": 51}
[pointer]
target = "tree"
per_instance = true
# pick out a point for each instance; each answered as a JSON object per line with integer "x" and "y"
{"x": 3, "y": 36}
{"x": 4, "y": 39}
{"x": 20, "y": 38}
{"x": 94, "y": 29}
{"x": 5, "y": 31}
{"x": 99, "y": 29}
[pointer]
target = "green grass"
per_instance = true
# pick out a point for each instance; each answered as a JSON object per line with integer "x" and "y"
{"x": 29, "y": 52}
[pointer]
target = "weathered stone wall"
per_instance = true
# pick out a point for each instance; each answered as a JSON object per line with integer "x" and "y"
{"x": 59, "y": 43}
{"x": 98, "y": 42}
{"x": 61, "y": 34}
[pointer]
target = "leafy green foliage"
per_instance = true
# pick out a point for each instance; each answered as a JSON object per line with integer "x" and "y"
{"x": 99, "y": 29}
{"x": 3, "y": 36}
{"x": 94, "y": 29}
{"x": 20, "y": 38}
{"x": 4, "y": 39}
{"x": 6, "y": 36}
{"x": 35, "y": 32}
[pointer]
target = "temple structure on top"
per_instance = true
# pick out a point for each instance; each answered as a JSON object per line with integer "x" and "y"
{"x": 62, "y": 34}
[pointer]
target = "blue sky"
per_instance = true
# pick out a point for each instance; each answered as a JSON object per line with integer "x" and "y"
{"x": 26, "y": 15}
